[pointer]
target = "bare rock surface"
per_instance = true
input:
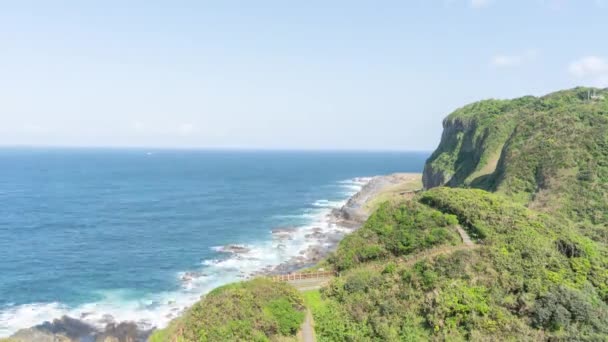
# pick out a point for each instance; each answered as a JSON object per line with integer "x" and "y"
{"x": 67, "y": 329}
{"x": 233, "y": 249}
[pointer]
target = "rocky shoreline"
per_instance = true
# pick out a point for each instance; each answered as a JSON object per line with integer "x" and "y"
{"x": 342, "y": 221}
{"x": 67, "y": 329}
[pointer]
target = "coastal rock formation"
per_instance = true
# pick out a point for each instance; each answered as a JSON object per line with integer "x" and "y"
{"x": 547, "y": 152}
{"x": 67, "y": 329}
{"x": 283, "y": 233}
{"x": 285, "y": 230}
{"x": 187, "y": 277}
{"x": 344, "y": 220}
{"x": 233, "y": 249}
{"x": 354, "y": 211}
{"x": 470, "y": 144}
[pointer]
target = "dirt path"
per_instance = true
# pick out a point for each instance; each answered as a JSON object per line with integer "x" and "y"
{"x": 307, "y": 331}
{"x": 466, "y": 239}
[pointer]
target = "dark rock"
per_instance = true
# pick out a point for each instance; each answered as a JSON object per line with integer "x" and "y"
{"x": 315, "y": 235}
{"x": 234, "y": 249}
{"x": 189, "y": 276}
{"x": 67, "y": 326}
{"x": 285, "y": 230}
{"x": 67, "y": 329}
{"x": 123, "y": 332}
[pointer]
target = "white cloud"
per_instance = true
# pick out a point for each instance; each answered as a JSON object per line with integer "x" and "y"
{"x": 589, "y": 66}
{"x": 592, "y": 69}
{"x": 515, "y": 60}
{"x": 479, "y": 3}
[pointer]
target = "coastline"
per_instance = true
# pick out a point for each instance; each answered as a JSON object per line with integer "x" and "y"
{"x": 347, "y": 218}
{"x": 340, "y": 221}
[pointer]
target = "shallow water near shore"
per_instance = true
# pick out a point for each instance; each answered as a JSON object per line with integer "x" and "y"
{"x": 114, "y": 235}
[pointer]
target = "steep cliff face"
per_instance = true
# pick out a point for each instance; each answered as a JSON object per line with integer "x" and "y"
{"x": 471, "y": 143}
{"x": 550, "y": 153}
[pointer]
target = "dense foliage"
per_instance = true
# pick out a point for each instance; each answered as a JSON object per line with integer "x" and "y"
{"x": 532, "y": 277}
{"x": 549, "y": 152}
{"x": 539, "y": 270}
{"x": 257, "y": 310}
{"x": 394, "y": 230}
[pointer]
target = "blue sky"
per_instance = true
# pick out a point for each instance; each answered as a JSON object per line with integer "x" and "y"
{"x": 280, "y": 74}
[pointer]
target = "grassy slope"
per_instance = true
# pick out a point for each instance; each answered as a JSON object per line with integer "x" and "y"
{"x": 257, "y": 310}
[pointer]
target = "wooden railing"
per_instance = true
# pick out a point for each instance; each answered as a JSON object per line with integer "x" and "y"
{"x": 303, "y": 276}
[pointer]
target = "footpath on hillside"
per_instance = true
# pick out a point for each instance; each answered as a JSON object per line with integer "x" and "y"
{"x": 307, "y": 333}
{"x": 467, "y": 243}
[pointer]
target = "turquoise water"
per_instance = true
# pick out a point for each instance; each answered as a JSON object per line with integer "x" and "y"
{"x": 92, "y": 232}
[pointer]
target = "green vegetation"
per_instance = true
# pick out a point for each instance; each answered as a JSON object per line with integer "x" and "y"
{"x": 533, "y": 277}
{"x": 395, "y": 193}
{"x": 539, "y": 270}
{"x": 529, "y": 184}
{"x": 257, "y": 310}
{"x": 394, "y": 230}
{"x": 550, "y": 153}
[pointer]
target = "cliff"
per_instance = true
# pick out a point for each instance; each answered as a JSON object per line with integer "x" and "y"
{"x": 549, "y": 153}
{"x": 527, "y": 179}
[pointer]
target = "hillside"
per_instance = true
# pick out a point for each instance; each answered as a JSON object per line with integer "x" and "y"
{"x": 257, "y": 310}
{"x": 531, "y": 277}
{"x": 527, "y": 182}
{"x": 550, "y": 152}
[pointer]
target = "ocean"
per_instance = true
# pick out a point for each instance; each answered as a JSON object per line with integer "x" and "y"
{"x": 133, "y": 234}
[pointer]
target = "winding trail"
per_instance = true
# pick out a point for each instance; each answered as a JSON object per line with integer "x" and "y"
{"x": 307, "y": 331}
{"x": 467, "y": 243}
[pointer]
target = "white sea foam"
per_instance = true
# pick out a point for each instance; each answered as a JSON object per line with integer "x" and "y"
{"x": 327, "y": 204}
{"x": 157, "y": 309}
{"x": 352, "y": 186}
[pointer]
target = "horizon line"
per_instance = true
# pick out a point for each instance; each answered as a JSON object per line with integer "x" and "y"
{"x": 202, "y": 148}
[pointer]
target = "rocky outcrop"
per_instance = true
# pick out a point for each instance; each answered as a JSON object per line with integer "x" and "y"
{"x": 354, "y": 211}
{"x": 439, "y": 168}
{"x": 548, "y": 152}
{"x": 67, "y": 329}
{"x": 233, "y": 249}
{"x": 472, "y": 138}
{"x": 432, "y": 177}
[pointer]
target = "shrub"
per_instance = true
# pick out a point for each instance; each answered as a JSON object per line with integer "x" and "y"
{"x": 256, "y": 310}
